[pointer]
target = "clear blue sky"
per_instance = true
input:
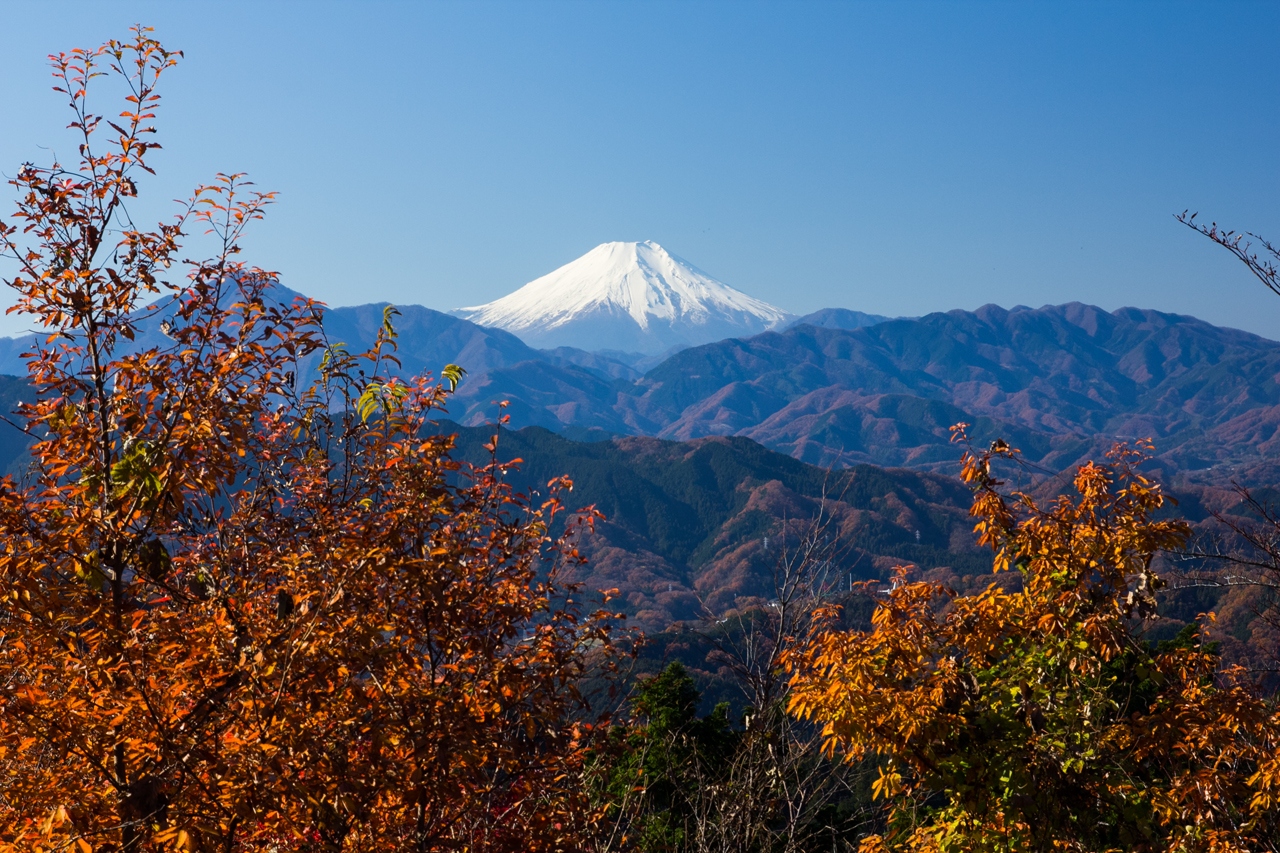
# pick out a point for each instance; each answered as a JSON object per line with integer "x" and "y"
{"x": 897, "y": 158}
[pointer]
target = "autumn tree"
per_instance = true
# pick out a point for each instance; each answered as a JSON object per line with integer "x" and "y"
{"x": 1030, "y": 717}
{"x": 247, "y": 605}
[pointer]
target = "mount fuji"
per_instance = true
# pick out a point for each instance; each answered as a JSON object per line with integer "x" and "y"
{"x": 629, "y": 297}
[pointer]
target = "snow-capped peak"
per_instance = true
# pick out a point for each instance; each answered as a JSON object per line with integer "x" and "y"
{"x": 627, "y": 296}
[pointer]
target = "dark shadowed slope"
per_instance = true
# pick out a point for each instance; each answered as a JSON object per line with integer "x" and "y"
{"x": 13, "y": 440}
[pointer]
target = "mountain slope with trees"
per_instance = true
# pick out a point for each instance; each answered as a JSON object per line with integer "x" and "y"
{"x": 694, "y": 528}
{"x": 1062, "y": 381}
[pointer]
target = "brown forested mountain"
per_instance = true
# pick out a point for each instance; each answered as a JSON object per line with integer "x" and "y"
{"x": 695, "y": 528}
{"x": 1061, "y": 382}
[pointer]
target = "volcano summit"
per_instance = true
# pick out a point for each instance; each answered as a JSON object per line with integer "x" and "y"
{"x": 632, "y": 297}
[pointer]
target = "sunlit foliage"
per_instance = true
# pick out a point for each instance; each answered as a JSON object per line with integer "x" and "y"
{"x": 1029, "y": 717}
{"x": 241, "y": 610}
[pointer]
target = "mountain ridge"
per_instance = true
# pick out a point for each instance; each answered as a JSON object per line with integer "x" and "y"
{"x": 1065, "y": 376}
{"x": 1061, "y": 382}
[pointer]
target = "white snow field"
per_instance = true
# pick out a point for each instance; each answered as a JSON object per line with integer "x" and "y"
{"x": 629, "y": 297}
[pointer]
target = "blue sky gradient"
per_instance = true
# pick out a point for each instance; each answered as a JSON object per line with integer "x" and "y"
{"x": 895, "y": 158}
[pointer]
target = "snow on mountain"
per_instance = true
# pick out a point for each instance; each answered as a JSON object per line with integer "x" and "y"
{"x": 631, "y": 297}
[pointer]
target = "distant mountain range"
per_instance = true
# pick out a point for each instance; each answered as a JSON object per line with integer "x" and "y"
{"x": 1060, "y": 382}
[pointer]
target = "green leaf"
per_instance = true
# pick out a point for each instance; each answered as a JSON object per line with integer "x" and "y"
{"x": 387, "y": 313}
{"x": 452, "y": 375}
{"x": 369, "y": 402}
{"x": 331, "y": 353}
{"x": 88, "y": 570}
{"x": 378, "y": 396}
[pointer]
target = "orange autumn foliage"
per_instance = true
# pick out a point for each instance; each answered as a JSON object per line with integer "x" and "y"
{"x": 239, "y": 611}
{"x": 1028, "y": 717}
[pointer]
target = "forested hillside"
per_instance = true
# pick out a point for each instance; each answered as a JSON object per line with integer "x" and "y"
{"x": 693, "y": 529}
{"x": 1060, "y": 382}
